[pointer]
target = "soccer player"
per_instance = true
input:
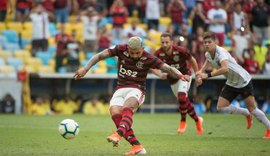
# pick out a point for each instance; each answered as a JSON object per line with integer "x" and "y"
{"x": 178, "y": 57}
{"x": 133, "y": 66}
{"x": 238, "y": 82}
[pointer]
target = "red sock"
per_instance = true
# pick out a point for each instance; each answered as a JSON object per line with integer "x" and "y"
{"x": 117, "y": 119}
{"x": 191, "y": 111}
{"x": 129, "y": 136}
{"x": 126, "y": 121}
{"x": 182, "y": 105}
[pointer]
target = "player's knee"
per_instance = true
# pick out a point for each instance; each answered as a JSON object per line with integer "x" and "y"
{"x": 181, "y": 97}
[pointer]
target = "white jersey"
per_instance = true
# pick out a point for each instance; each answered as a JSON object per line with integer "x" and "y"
{"x": 237, "y": 76}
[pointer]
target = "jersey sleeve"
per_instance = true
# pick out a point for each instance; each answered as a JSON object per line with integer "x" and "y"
{"x": 222, "y": 56}
{"x": 183, "y": 52}
{"x": 116, "y": 50}
{"x": 157, "y": 63}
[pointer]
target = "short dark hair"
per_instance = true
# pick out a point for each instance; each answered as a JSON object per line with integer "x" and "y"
{"x": 210, "y": 35}
{"x": 166, "y": 34}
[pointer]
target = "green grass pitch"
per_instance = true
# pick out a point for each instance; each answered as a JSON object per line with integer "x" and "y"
{"x": 224, "y": 135}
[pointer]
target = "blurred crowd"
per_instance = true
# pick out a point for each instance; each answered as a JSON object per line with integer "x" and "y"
{"x": 61, "y": 35}
{"x": 96, "y": 105}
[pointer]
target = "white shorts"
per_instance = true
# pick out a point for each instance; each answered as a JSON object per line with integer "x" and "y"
{"x": 122, "y": 94}
{"x": 181, "y": 86}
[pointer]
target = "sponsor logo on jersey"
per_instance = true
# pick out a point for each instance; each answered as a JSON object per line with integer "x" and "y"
{"x": 126, "y": 72}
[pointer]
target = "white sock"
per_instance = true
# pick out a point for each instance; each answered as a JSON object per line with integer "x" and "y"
{"x": 233, "y": 110}
{"x": 261, "y": 117}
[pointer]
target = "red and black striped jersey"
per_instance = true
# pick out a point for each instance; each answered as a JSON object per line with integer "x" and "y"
{"x": 178, "y": 59}
{"x": 131, "y": 72}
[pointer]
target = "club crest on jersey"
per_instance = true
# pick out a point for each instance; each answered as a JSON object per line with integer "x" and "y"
{"x": 126, "y": 54}
{"x": 139, "y": 64}
{"x": 123, "y": 62}
{"x": 176, "y": 58}
{"x": 175, "y": 52}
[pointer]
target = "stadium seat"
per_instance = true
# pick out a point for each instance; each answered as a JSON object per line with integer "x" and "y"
{"x": 26, "y": 34}
{"x": 22, "y": 54}
{"x": 52, "y": 63}
{"x": 3, "y": 41}
{"x": 16, "y": 26}
{"x": 2, "y": 62}
{"x": 2, "y": 26}
{"x": 143, "y": 26}
{"x": 27, "y": 26}
{"x": 28, "y": 47}
{"x": 30, "y": 69}
{"x": 101, "y": 68}
{"x": 44, "y": 56}
{"x": 111, "y": 64}
{"x": 7, "y": 69}
{"x": 5, "y": 55}
{"x": 62, "y": 70}
{"x": 15, "y": 62}
{"x": 129, "y": 19}
{"x": 12, "y": 47}
{"x": 51, "y": 41}
{"x": 165, "y": 21}
{"x": 35, "y": 63}
{"x": 11, "y": 35}
{"x": 52, "y": 50}
{"x": 81, "y": 56}
{"x": 53, "y": 30}
{"x": 46, "y": 69}
{"x": 108, "y": 27}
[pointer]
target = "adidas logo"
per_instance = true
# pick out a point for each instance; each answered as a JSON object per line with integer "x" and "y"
{"x": 122, "y": 125}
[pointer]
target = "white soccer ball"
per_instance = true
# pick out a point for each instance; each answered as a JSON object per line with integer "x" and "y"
{"x": 69, "y": 128}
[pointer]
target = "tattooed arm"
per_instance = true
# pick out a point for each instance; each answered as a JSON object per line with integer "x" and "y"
{"x": 95, "y": 59}
{"x": 173, "y": 72}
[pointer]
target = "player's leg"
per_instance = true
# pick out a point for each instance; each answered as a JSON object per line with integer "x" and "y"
{"x": 116, "y": 113}
{"x": 227, "y": 95}
{"x": 180, "y": 90}
{"x": 133, "y": 100}
{"x": 116, "y": 109}
{"x": 250, "y": 102}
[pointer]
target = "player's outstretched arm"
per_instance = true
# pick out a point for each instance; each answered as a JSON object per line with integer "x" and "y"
{"x": 173, "y": 72}
{"x": 96, "y": 58}
{"x": 224, "y": 69}
{"x": 160, "y": 74}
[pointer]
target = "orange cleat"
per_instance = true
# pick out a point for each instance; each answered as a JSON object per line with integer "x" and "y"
{"x": 199, "y": 126}
{"x": 182, "y": 127}
{"x": 136, "y": 150}
{"x": 114, "y": 138}
{"x": 249, "y": 121}
{"x": 267, "y": 134}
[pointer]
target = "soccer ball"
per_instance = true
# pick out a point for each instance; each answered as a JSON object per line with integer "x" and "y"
{"x": 68, "y": 128}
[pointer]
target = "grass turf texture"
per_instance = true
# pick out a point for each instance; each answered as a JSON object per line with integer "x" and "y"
{"x": 224, "y": 135}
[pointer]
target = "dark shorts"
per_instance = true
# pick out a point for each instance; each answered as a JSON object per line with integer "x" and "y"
{"x": 39, "y": 45}
{"x": 231, "y": 93}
